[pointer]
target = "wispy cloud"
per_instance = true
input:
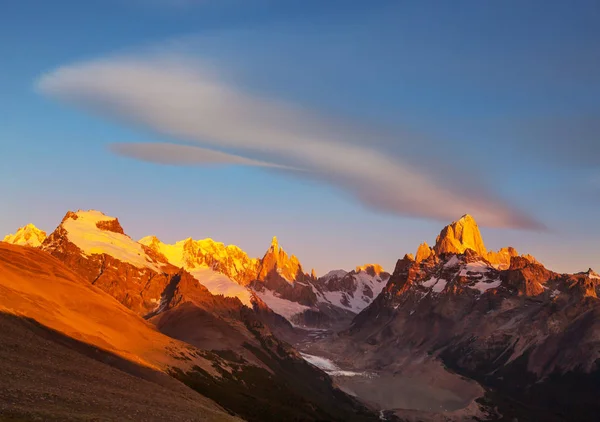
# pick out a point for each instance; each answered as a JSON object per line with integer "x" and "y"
{"x": 173, "y": 154}
{"x": 186, "y": 101}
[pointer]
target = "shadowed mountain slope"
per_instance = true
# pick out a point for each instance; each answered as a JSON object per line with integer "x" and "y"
{"x": 215, "y": 344}
{"x": 71, "y": 352}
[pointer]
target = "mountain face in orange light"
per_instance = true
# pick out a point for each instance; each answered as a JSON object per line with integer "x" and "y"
{"x": 28, "y": 235}
{"x": 229, "y": 260}
{"x": 218, "y": 320}
{"x": 464, "y": 234}
{"x": 496, "y": 317}
{"x": 277, "y": 280}
{"x": 214, "y": 344}
{"x": 39, "y": 287}
{"x": 277, "y": 260}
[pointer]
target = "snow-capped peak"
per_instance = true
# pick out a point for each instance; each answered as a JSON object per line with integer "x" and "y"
{"x": 96, "y": 233}
{"x": 225, "y": 270}
{"x": 28, "y": 235}
{"x": 352, "y": 290}
{"x": 334, "y": 274}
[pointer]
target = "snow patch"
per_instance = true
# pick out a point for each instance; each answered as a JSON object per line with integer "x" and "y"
{"x": 436, "y": 284}
{"x": 354, "y": 301}
{"x": 220, "y": 284}
{"x": 439, "y": 286}
{"x": 173, "y": 253}
{"x": 475, "y": 267}
{"x": 429, "y": 283}
{"x": 452, "y": 262}
{"x": 84, "y": 233}
{"x": 334, "y": 274}
{"x": 283, "y": 307}
{"x": 484, "y": 286}
{"x": 329, "y": 367}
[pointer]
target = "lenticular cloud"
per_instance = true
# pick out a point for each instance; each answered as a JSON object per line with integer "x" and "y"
{"x": 221, "y": 124}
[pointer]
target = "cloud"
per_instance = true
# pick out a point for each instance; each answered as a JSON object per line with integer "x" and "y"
{"x": 186, "y": 100}
{"x": 173, "y": 154}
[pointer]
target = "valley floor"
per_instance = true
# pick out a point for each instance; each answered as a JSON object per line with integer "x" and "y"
{"x": 422, "y": 389}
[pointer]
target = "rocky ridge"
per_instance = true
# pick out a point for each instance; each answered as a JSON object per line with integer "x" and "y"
{"x": 511, "y": 327}
{"x": 241, "y": 357}
{"x": 464, "y": 234}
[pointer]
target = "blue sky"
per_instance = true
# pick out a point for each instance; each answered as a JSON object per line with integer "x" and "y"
{"x": 490, "y": 109}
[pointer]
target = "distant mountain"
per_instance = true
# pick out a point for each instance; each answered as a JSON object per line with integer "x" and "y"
{"x": 98, "y": 248}
{"x": 531, "y": 334}
{"x": 214, "y": 318}
{"x": 309, "y": 301}
{"x": 28, "y": 235}
{"x": 225, "y": 270}
{"x": 232, "y": 355}
{"x": 352, "y": 290}
{"x": 95, "y": 246}
{"x": 464, "y": 234}
{"x": 277, "y": 280}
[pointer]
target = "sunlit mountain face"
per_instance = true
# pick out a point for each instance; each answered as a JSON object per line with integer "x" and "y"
{"x": 455, "y": 331}
{"x": 299, "y": 211}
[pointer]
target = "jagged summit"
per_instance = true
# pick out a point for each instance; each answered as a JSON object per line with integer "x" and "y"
{"x": 372, "y": 269}
{"x": 95, "y": 233}
{"x": 423, "y": 252}
{"x": 276, "y": 259}
{"x": 192, "y": 254}
{"x": 95, "y": 217}
{"x": 459, "y": 236}
{"x": 28, "y": 235}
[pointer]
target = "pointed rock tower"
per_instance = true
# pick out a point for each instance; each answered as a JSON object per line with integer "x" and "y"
{"x": 459, "y": 236}
{"x": 276, "y": 259}
{"x": 423, "y": 252}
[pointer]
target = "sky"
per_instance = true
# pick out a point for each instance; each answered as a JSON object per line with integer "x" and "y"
{"x": 351, "y": 130}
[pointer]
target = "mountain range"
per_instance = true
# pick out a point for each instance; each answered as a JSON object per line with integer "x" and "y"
{"x": 484, "y": 335}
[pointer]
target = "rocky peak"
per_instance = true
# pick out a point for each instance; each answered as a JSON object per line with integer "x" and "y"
{"x": 527, "y": 277}
{"x": 28, "y": 235}
{"x": 95, "y": 217}
{"x": 93, "y": 233}
{"x": 110, "y": 226}
{"x": 371, "y": 269}
{"x": 403, "y": 264}
{"x": 152, "y": 242}
{"x": 95, "y": 246}
{"x": 277, "y": 260}
{"x": 274, "y": 244}
{"x": 191, "y": 254}
{"x": 423, "y": 252}
{"x": 459, "y": 236}
{"x": 502, "y": 258}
